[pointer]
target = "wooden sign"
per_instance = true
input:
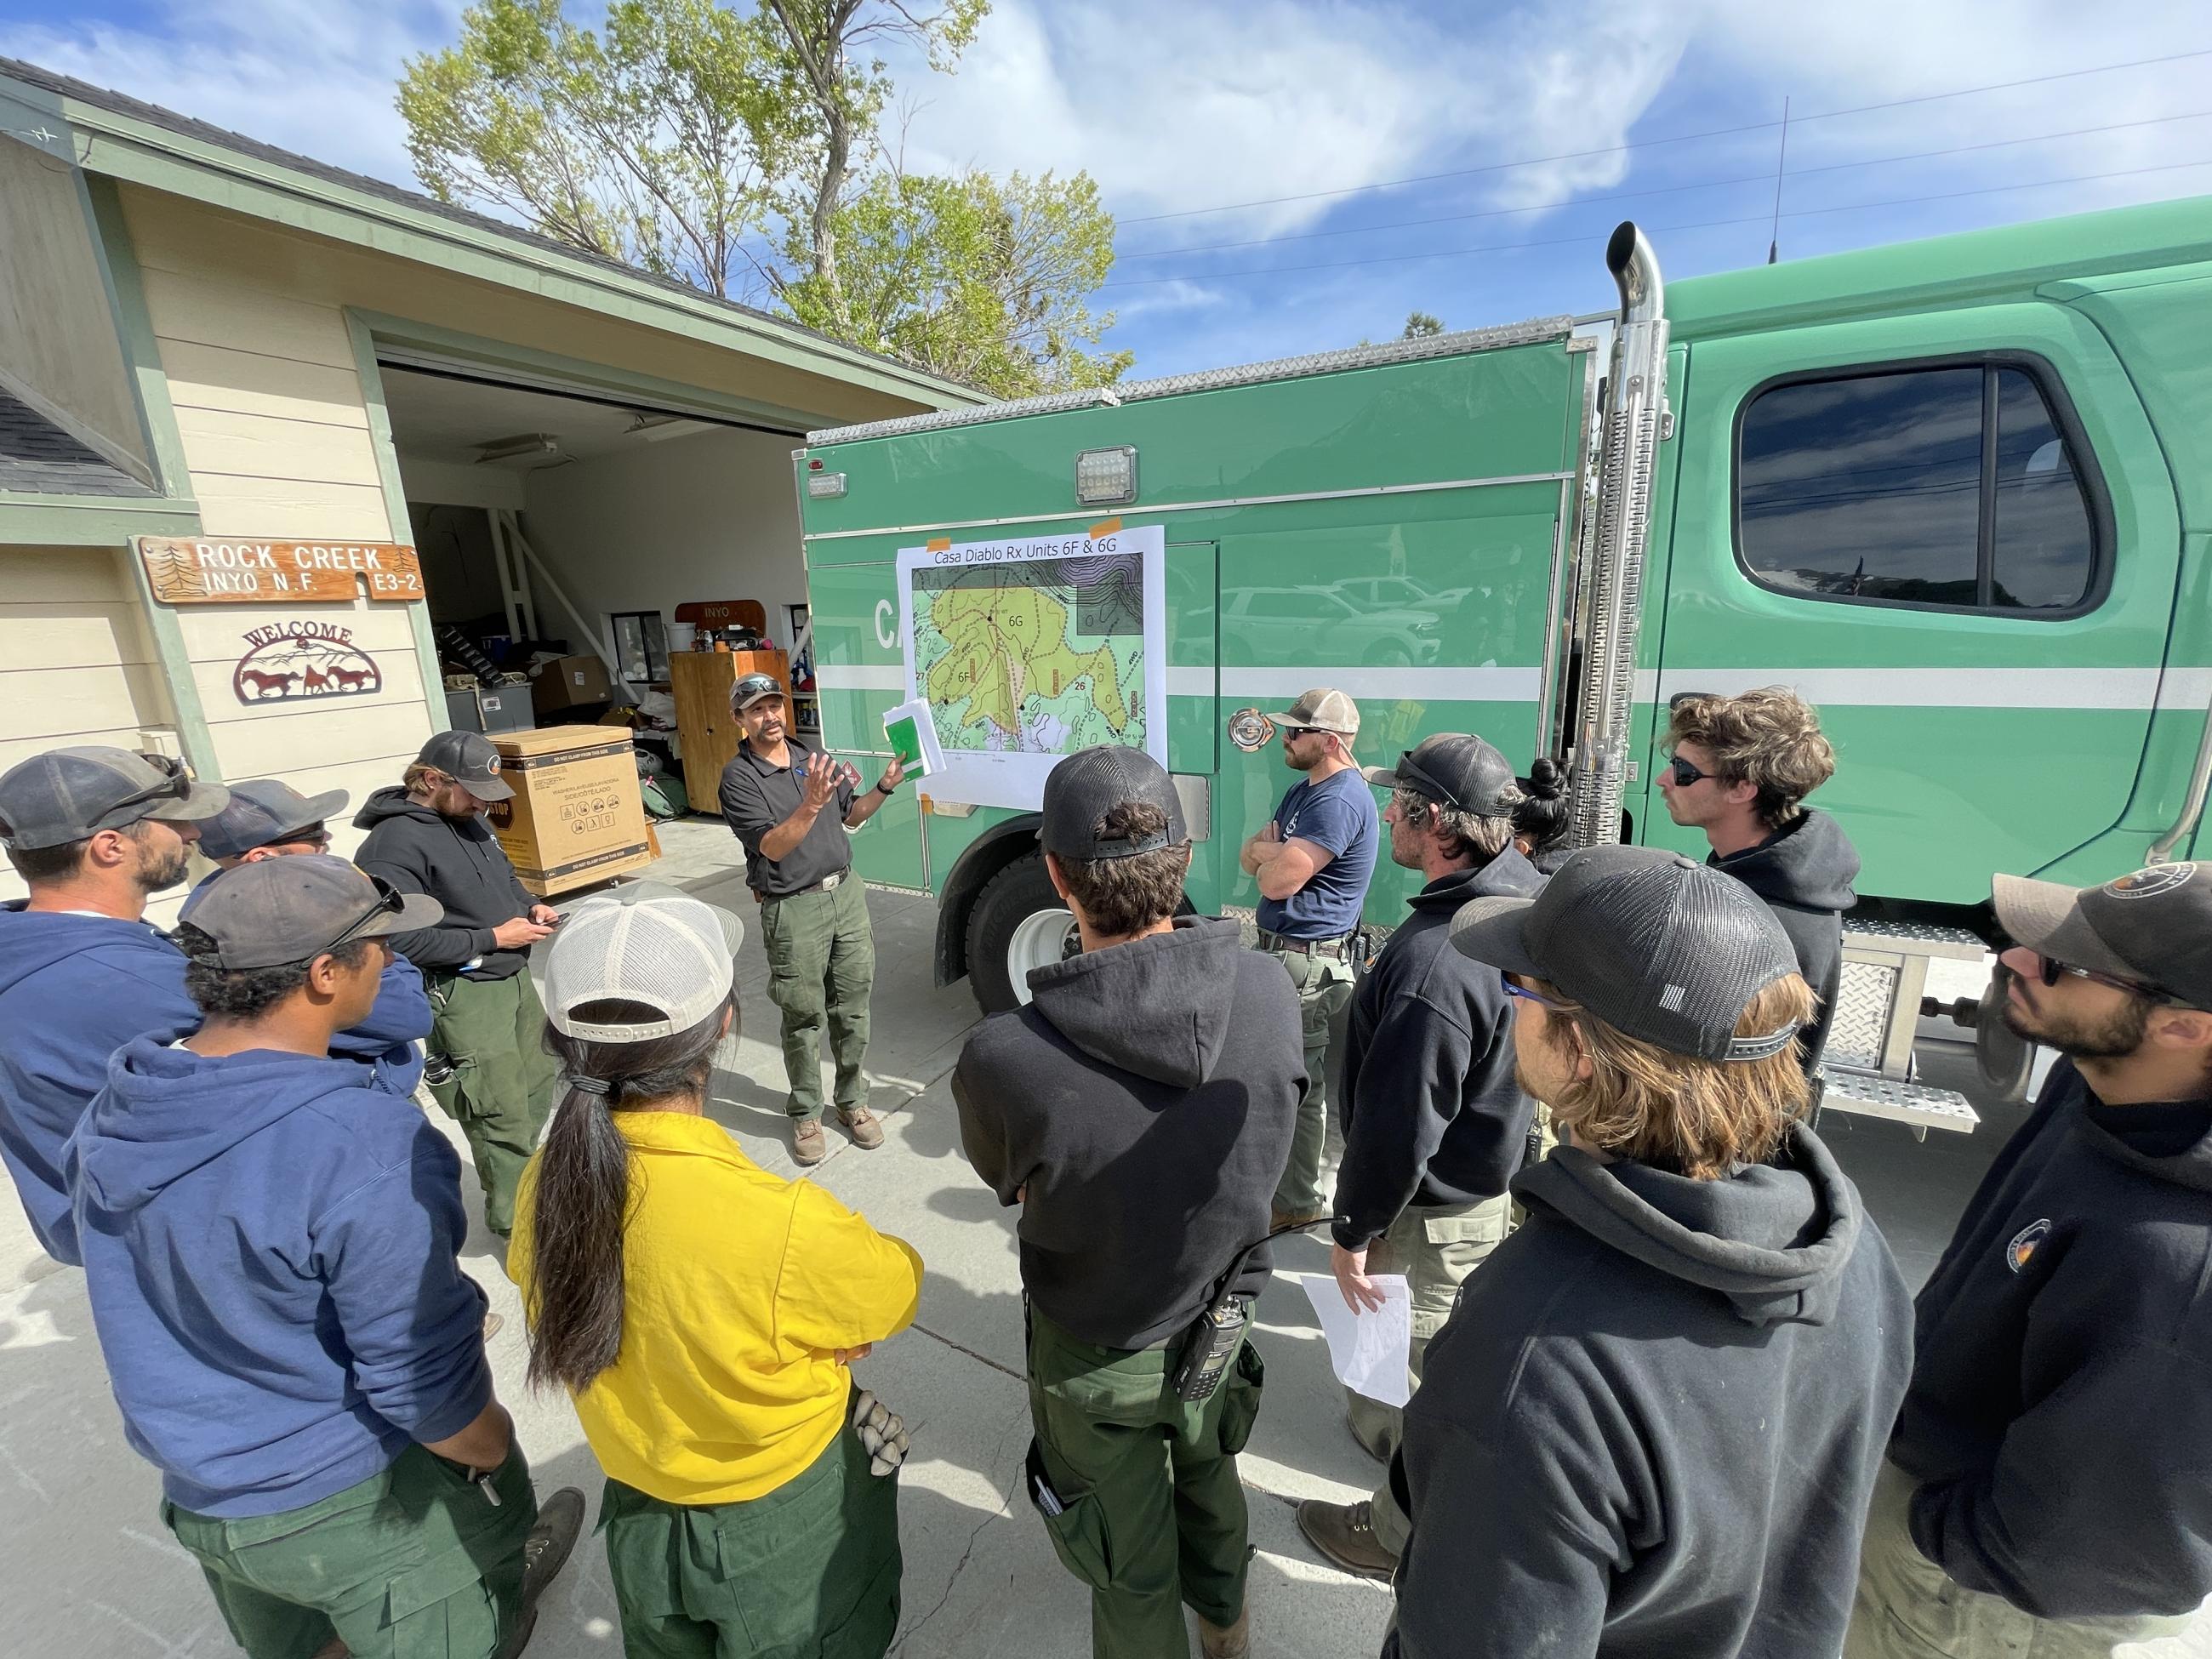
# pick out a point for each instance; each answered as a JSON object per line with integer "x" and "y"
{"x": 207, "y": 571}
{"x": 724, "y": 613}
{"x": 288, "y": 662}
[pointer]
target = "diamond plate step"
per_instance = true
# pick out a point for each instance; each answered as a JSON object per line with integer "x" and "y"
{"x": 1913, "y": 1103}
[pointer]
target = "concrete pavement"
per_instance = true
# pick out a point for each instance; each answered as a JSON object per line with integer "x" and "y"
{"x": 86, "y": 1567}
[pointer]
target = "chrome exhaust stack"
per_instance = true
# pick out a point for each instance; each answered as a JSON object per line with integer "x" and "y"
{"x": 1635, "y": 408}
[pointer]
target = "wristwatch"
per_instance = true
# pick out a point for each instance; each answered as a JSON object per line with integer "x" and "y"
{"x": 886, "y": 790}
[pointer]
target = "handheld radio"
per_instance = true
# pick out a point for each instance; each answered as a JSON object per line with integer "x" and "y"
{"x": 1211, "y": 1340}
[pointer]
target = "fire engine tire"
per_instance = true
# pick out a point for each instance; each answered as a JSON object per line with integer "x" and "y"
{"x": 1018, "y": 923}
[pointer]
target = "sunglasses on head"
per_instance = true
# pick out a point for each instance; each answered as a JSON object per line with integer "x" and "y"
{"x": 2053, "y": 971}
{"x": 390, "y": 901}
{"x": 176, "y": 783}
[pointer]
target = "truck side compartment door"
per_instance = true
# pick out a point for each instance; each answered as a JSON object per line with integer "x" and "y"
{"x": 1954, "y": 535}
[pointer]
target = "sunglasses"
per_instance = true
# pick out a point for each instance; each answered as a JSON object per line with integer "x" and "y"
{"x": 1685, "y": 773}
{"x": 1527, "y": 995}
{"x": 176, "y": 783}
{"x": 1292, "y": 732}
{"x": 314, "y": 834}
{"x": 390, "y": 901}
{"x": 2054, "y": 971}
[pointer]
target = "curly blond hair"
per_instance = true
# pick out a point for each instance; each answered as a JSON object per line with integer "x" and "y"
{"x": 1770, "y": 738}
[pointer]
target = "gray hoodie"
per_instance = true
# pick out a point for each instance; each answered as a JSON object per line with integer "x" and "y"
{"x": 1145, "y": 1098}
{"x": 1652, "y": 1427}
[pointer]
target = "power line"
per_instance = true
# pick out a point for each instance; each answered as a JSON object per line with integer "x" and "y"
{"x": 1678, "y": 138}
{"x": 1663, "y": 190}
{"x": 1701, "y": 224}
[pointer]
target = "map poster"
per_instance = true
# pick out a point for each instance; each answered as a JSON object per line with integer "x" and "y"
{"x": 1027, "y": 650}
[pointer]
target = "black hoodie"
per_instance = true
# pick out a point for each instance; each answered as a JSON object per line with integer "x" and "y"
{"x": 2060, "y": 1416}
{"x": 1804, "y": 871}
{"x": 1146, "y": 1099}
{"x": 1431, "y": 1112}
{"x": 457, "y": 862}
{"x": 1653, "y": 1423}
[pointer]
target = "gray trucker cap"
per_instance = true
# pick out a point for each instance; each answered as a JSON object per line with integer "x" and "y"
{"x": 265, "y": 812}
{"x": 1082, "y": 788}
{"x": 469, "y": 759}
{"x": 1456, "y": 768}
{"x": 276, "y": 912}
{"x": 2153, "y": 929}
{"x": 1654, "y": 945}
{"x": 70, "y": 794}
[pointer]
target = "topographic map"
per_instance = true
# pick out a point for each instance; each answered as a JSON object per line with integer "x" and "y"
{"x": 1044, "y": 656}
{"x": 1026, "y": 651}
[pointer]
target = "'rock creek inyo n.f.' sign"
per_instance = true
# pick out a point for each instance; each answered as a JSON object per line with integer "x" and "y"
{"x": 287, "y": 662}
{"x": 209, "y": 570}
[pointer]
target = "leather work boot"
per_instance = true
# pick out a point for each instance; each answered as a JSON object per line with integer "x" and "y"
{"x": 1226, "y": 1642}
{"x": 863, "y": 1125}
{"x": 544, "y": 1553}
{"x": 807, "y": 1145}
{"x": 1345, "y": 1533}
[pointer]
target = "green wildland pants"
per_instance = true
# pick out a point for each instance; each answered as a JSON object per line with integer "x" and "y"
{"x": 1437, "y": 1250}
{"x": 809, "y": 1571}
{"x": 821, "y": 967}
{"x": 491, "y": 1032}
{"x": 1151, "y": 1510}
{"x": 414, "y": 1562}
{"x": 1908, "y": 1607}
{"x": 1324, "y": 986}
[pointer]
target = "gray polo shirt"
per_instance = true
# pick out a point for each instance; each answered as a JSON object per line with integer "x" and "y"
{"x": 756, "y": 796}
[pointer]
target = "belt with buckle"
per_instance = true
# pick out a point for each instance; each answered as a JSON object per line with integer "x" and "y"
{"x": 1339, "y": 947}
{"x": 827, "y": 884}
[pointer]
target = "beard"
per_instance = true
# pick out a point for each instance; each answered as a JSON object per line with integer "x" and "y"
{"x": 160, "y": 871}
{"x": 2115, "y": 1037}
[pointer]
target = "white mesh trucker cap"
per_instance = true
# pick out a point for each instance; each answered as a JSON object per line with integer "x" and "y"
{"x": 642, "y": 943}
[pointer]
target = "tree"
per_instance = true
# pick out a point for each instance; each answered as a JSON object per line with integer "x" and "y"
{"x": 660, "y": 143}
{"x": 979, "y": 279}
{"x": 741, "y": 153}
{"x": 1420, "y": 325}
{"x": 819, "y": 40}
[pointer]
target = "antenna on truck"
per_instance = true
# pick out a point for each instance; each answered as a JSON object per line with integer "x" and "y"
{"x": 1774, "y": 244}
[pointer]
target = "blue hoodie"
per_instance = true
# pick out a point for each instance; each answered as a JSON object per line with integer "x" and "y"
{"x": 268, "y": 1247}
{"x": 385, "y": 1042}
{"x": 73, "y": 990}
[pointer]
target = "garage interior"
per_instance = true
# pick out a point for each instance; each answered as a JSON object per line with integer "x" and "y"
{"x": 573, "y": 543}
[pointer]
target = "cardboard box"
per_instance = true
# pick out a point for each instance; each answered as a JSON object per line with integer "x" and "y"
{"x": 569, "y": 682}
{"x": 577, "y": 816}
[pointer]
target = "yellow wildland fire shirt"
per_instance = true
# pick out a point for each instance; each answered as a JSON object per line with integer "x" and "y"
{"x": 737, "y": 1285}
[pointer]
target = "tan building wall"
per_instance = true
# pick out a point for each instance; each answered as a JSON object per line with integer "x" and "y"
{"x": 76, "y": 663}
{"x": 274, "y": 423}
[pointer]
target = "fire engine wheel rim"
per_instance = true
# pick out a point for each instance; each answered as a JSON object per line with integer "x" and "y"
{"x": 1040, "y": 940}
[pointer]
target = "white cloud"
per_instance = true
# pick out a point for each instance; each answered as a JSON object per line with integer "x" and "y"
{"x": 316, "y": 79}
{"x": 1171, "y": 108}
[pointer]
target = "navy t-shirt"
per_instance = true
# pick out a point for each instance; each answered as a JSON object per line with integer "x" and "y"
{"x": 1337, "y": 816}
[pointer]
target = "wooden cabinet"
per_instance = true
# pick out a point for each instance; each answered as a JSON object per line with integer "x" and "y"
{"x": 700, "y": 681}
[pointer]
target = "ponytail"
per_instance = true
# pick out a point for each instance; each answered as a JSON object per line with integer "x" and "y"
{"x": 582, "y": 1202}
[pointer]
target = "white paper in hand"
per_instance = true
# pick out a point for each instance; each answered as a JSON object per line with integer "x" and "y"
{"x": 1369, "y": 1352}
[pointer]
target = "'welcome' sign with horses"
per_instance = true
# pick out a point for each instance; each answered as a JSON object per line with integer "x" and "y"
{"x": 287, "y": 662}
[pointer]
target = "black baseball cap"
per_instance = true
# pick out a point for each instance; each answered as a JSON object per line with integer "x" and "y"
{"x": 751, "y": 689}
{"x": 2153, "y": 929}
{"x": 1082, "y": 788}
{"x": 70, "y": 794}
{"x": 1453, "y": 768}
{"x": 279, "y": 911}
{"x": 263, "y": 812}
{"x": 470, "y": 759}
{"x": 1655, "y": 944}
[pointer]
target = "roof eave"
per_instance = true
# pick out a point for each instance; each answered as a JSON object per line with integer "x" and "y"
{"x": 118, "y": 146}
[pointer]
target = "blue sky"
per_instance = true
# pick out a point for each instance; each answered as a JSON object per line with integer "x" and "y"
{"x": 1179, "y": 109}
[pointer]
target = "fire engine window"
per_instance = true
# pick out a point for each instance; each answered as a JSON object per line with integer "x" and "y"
{"x": 1866, "y": 489}
{"x": 2043, "y": 539}
{"x": 1949, "y": 488}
